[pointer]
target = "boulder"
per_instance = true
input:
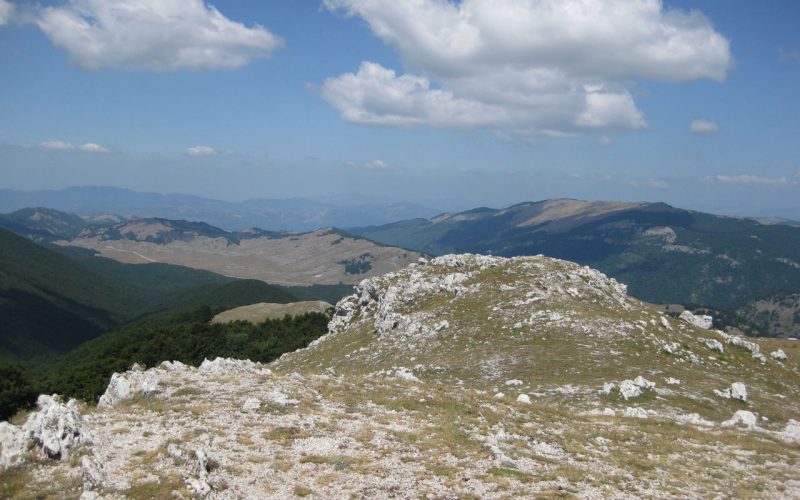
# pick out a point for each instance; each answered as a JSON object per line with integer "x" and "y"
{"x": 698, "y": 320}
{"x": 742, "y": 417}
{"x": 57, "y": 428}
{"x": 124, "y": 385}
{"x": 524, "y": 399}
{"x": 778, "y": 355}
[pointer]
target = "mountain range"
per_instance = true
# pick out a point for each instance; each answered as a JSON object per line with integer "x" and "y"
{"x": 295, "y": 214}
{"x": 665, "y": 255}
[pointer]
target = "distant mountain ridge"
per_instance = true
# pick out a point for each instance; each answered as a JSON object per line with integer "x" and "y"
{"x": 322, "y": 257}
{"x": 295, "y": 214}
{"x": 664, "y": 254}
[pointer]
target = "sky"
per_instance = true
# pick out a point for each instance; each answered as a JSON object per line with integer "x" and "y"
{"x": 448, "y": 104}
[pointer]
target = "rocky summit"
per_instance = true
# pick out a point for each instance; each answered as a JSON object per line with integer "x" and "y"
{"x": 460, "y": 377}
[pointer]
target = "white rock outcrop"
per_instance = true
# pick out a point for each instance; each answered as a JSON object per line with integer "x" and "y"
{"x": 13, "y": 444}
{"x": 791, "y": 432}
{"x": 778, "y": 355}
{"x": 57, "y": 428}
{"x": 698, "y": 320}
{"x": 633, "y": 388}
{"x": 124, "y": 385}
{"x": 231, "y": 366}
{"x": 524, "y": 399}
{"x": 737, "y": 390}
{"x": 742, "y": 418}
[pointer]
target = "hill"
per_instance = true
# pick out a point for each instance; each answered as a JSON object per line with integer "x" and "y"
{"x": 258, "y": 313}
{"x": 664, "y": 254}
{"x": 52, "y": 301}
{"x": 321, "y": 257}
{"x": 466, "y": 376}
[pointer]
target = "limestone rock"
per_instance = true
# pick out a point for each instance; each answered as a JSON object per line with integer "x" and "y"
{"x": 778, "y": 355}
{"x": 228, "y": 366}
{"x": 524, "y": 399}
{"x": 698, "y": 320}
{"x": 57, "y": 428}
{"x": 742, "y": 417}
{"x": 124, "y": 385}
{"x": 13, "y": 444}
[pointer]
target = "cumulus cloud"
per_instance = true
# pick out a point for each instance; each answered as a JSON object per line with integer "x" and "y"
{"x": 522, "y": 64}
{"x": 748, "y": 179}
{"x": 377, "y": 165}
{"x": 57, "y": 146}
{"x": 200, "y": 151}
{"x": 160, "y": 35}
{"x": 6, "y": 12}
{"x": 91, "y": 147}
{"x": 703, "y": 127}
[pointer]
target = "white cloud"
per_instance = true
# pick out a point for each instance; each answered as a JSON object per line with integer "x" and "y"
{"x": 377, "y": 96}
{"x": 6, "y": 12}
{"x": 160, "y": 35}
{"x": 91, "y": 147}
{"x": 200, "y": 151}
{"x": 522, "y": 64}
{"x": 606, "y": 140}
{"x": 377, "y": 165}
{"x": 57, "y": 146}
{"x": 748, "y": 179}
{"x": 703, "y": 127}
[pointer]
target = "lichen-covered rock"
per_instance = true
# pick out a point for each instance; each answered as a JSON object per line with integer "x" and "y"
{"x": 57, "y": 428}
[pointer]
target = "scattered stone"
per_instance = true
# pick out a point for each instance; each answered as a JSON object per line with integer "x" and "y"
{"x": 514, "y": 382}
{"x": 93, "y": 475}
{"x": 778, "y": 355}
{"x": 251, "y": 404}
{"x": 607, "y": 388}
{"x": 281, "y": 399}
{"x": 698, "y": 320}
{"x": 524, "y": 399}
{"x": 633, "y": 388}
{"x": 635, "y": 412}
{"x": 742, "y": 417}
{"x": 695, "y": 419}
{"x": 739, "y": 391}
{"x": 713, "y": 344}
{"x": 791, "y": 432}
{"x": 499, "y": 395}
{"x": 673, "y": 381}
{"x": 228, "y": 366}
{"x": 404, "y": 373}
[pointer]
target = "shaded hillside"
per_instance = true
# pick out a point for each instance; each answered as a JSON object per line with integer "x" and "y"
{"x": 664, "y": 254}
{"x": 51, "y": 301}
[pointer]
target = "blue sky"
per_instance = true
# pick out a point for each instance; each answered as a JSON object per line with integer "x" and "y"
{"x": 447, "y": 104}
